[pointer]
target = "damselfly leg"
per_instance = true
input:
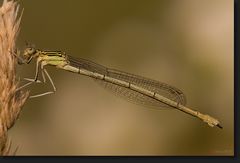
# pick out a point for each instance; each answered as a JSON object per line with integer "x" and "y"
{"x": 44, "y": 80}
{"x": 40, "y": 66}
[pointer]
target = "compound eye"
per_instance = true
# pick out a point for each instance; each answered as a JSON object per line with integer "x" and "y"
{"x": 31, "y": 50}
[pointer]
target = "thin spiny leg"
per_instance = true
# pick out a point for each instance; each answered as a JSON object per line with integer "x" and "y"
{"x": 19, "y": 58}
{"x": 36, "y": 74}
{"x": 37, "y": 71}
{"x": 43, "y": 76}
{"x": 31, "y": 81}
{"x": 42, "y": 67}
{"x": 40, "y": 95}
{"x": 27, "y": 84}
{"x": 50, "y": 79}
{"x": 46, "y": 93}
{"x": 38, "y": 81}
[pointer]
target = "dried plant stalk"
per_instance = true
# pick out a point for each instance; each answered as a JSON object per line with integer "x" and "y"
{"x": 11, "y": 100}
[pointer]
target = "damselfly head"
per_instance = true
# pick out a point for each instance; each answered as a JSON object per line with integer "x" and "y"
{"x": 29, "y": 52}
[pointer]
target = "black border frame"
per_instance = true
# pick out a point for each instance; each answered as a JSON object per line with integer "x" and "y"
{"x": 166, "y": 158}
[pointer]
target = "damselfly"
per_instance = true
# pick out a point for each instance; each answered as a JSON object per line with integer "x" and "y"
{"x": 132, "y": 87}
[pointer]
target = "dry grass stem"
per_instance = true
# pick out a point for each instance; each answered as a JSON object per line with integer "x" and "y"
{"x": 11, "y": 100}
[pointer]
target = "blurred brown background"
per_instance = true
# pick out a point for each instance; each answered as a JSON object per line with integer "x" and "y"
{"x": 187, "y": 43}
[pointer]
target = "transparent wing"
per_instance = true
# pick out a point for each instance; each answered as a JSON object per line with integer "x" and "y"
{"x": 128, "y": 94}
